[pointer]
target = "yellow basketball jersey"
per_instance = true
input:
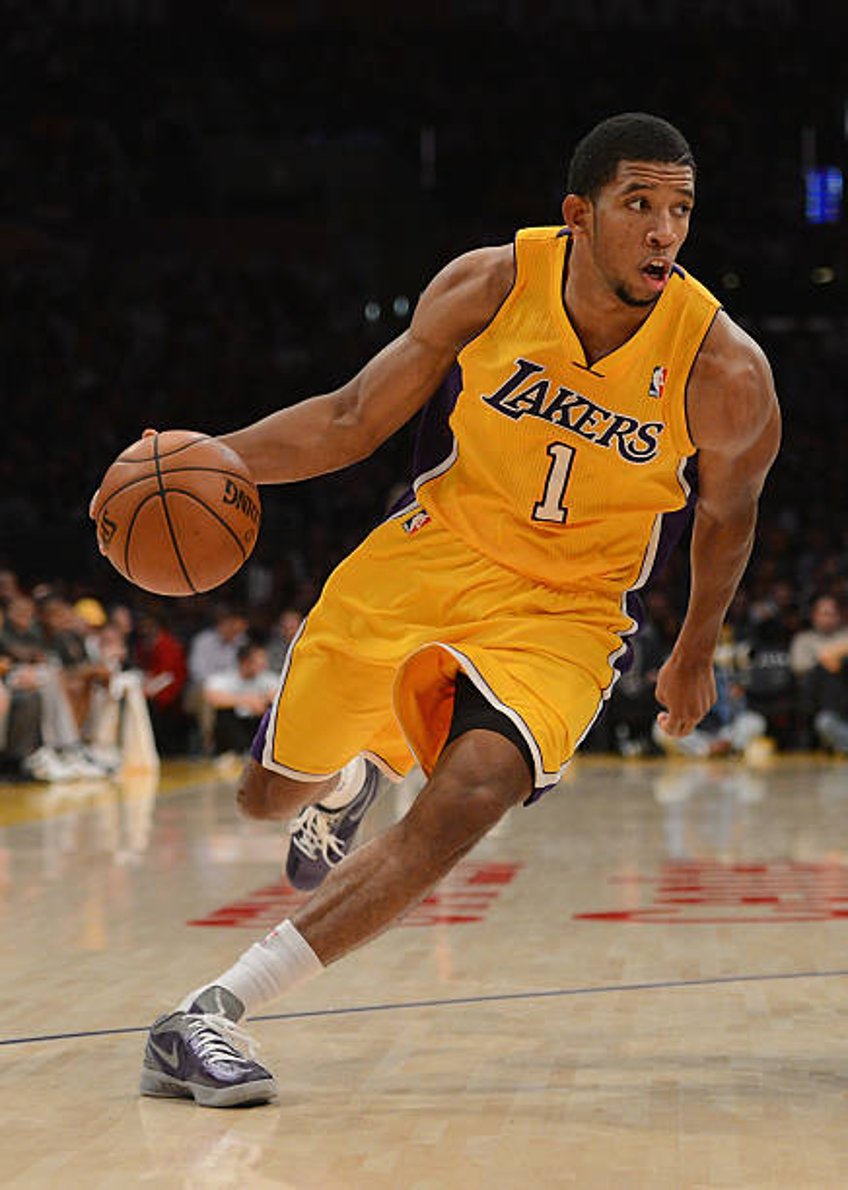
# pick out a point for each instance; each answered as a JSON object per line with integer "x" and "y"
{"x": 559, "y": 470}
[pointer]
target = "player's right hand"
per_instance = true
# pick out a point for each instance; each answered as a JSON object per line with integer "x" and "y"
{"x": 92, "y": 504}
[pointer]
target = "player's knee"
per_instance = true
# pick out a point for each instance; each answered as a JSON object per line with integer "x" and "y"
{"x": 454, "y": 815}
{"x": 267, "y": 795}
{"x": 483, "y": 774}
{"x": 485, "y": 802}
{"x": 251, "y": 792}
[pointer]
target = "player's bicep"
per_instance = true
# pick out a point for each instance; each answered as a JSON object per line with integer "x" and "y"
{"x": 735, "y": 419}
{"x": 455, "y": 306}
{"x": 730, "y": 480}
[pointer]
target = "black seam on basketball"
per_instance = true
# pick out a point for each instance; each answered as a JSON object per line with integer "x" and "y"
{"x": 199, "y": 500}
{"x": 130, "y": 527}
{"x": 239, "y": 475}
{"x": 163, "y": 494}
{"x": 168, "y": 453}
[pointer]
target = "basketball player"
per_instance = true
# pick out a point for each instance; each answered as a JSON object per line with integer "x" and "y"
{"x": 570, "y": 382}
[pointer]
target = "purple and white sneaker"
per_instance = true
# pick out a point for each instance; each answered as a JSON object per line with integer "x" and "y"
{"x": 198, "y": 1054}
{"x": 321, "y": 838}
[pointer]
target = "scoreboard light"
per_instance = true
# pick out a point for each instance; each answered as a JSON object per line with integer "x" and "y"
{"x": 824, "y": 194}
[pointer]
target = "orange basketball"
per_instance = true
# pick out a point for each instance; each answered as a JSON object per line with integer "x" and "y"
{"x": 177, "y": 513}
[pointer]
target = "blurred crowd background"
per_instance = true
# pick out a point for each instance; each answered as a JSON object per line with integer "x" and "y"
{"x": 210, "y": 210}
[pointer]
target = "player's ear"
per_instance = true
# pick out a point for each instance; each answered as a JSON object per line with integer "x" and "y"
{"x": 576, "y": 213}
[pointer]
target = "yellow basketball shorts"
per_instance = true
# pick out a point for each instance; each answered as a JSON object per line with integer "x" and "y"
{"x": 373, "y": 668}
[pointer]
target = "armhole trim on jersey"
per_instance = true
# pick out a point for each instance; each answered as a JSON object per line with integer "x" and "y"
{"x": 686, "y": 426}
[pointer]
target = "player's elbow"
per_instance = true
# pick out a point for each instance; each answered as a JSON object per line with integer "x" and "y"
{"x": 737, "y": 518}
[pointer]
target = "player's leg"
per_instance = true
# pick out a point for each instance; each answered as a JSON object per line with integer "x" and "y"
{"x": 199, "y": 1051}
{"x": 272, "y": 796}
{"x": 540, "y": 687}
{"x": 478, "y": 778}
{"x": 481, "y": 773}
{"x": 324, "y": 814}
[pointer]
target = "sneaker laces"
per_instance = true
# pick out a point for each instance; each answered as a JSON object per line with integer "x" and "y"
{"x": 313, "y": 828}
{"x": 217, "y": 1037}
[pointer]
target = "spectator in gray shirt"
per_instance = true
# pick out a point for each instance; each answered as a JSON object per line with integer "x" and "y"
{"x": 213, "y": 650}
{"x": 827, "y": 629}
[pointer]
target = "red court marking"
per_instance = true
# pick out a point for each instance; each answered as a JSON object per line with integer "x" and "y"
{"x": 702, "y": 892}
{"x": 464, "y": 896}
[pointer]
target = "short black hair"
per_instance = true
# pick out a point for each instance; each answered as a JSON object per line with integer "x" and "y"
{"x": 630, "y": 136}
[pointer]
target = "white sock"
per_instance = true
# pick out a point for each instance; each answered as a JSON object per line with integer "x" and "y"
{"x": 351, "y": 780}
{"x": 281, "y": 961}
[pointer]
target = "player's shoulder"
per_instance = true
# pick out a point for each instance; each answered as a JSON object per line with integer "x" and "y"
{"x": 731, "y": 393}
{"x": 464, "y": 296}
{"x": 729, "y": 356}
{"x": 490, "y": 269}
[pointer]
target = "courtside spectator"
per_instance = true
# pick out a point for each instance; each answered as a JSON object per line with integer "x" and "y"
{"x": 212, "y": 650}
{"x": 239, "y": 697}
{"x": 282, "y": 634}
{"x": 827, "y": 627}
{"x": 824, "y": 693}
{"x": 161, "y": 657}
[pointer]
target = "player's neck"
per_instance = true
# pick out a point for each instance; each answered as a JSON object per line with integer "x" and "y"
{"x": 601, "y": 320}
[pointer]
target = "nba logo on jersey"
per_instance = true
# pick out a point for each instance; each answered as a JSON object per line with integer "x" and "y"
{"x": 417, "y": 521}
{"x": 658, "y": 379}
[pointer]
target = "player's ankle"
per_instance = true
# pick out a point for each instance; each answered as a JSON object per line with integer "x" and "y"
{"x": 266, "y": 970}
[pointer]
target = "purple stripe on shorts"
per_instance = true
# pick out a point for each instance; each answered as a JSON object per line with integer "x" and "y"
{"x": 258, "y": 745}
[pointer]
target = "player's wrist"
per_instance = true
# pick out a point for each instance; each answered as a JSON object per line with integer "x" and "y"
{"x": 694, "y": 654}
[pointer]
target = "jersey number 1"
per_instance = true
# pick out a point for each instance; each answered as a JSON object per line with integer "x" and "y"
{"x": 551, "y": 506}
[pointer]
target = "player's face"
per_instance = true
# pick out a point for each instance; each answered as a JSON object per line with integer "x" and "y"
{"x": 638, "y": 224}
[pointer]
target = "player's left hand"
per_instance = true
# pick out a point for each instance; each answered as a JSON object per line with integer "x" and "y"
{"x": 687, "y": 690}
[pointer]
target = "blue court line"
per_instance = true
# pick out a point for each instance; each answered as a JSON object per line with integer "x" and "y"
{"x": 461, "y": 1001}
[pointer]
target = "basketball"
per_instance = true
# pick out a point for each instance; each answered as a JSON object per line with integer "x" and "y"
{"x": 177, "y": 513}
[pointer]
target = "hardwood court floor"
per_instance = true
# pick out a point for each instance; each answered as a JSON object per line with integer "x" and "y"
{"x": 640, "y": 982}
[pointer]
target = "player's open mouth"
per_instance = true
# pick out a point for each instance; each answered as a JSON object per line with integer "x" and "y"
{"x": 656, "y": 272}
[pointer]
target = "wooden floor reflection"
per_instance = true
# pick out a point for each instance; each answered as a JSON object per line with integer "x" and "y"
{"x": 640, "y": 982}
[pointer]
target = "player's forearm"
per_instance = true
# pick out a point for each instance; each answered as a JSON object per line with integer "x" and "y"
{"x": 719, "y": 555}
{"x": 332, "y": 431}
{"x": 311, "y": 438}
